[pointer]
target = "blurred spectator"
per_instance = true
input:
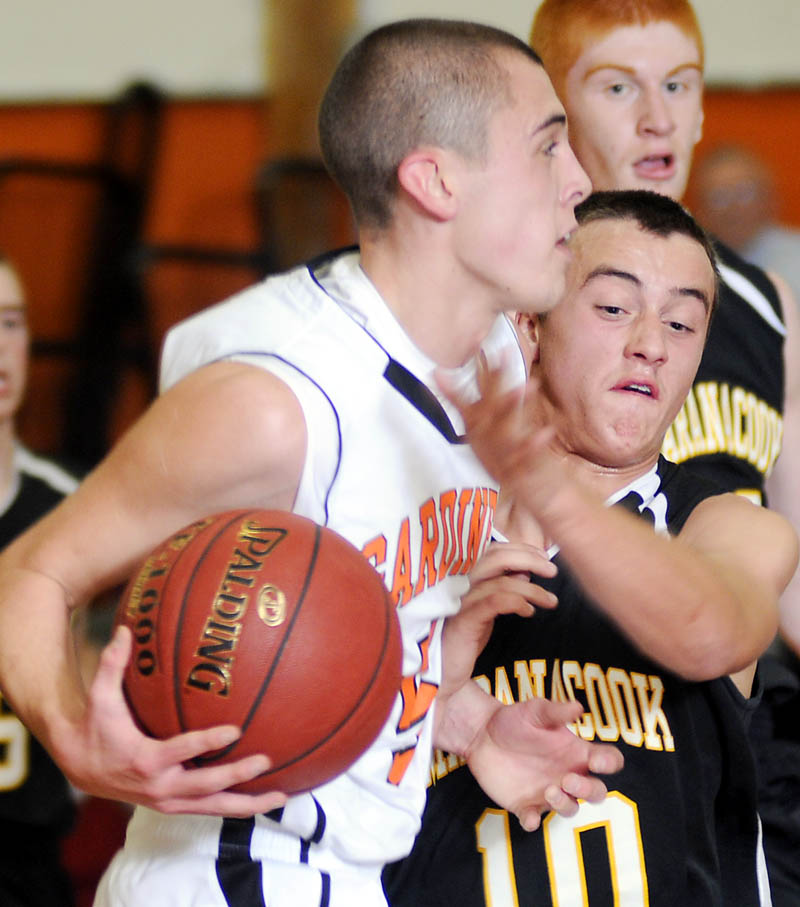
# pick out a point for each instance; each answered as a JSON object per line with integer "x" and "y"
{"x": 736, "y": 199}
{"x": 37, "y": 805}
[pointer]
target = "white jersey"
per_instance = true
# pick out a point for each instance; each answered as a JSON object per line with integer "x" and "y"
{"x": 388, "y": 469}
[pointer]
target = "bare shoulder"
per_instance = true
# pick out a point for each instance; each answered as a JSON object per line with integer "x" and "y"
{"x": 233, "y": 432}
{"x": 230, "y": 394}
{"x": 227, "y": 436}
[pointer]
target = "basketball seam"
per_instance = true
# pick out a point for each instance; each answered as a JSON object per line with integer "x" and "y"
{"x": 278, "y": 655}
{"x": 350, "y": 715}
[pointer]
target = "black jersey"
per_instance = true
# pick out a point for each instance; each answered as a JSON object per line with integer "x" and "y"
{"x": 731, "y": 426}
{"x": 679, "y": 825}
{"x": 33, "y": 791}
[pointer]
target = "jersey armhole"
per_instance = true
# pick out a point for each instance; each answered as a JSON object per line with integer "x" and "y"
{"x": 323, "y": 432}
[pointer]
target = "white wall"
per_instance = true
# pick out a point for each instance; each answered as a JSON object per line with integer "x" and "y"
{"x": 83, "y": 49}
{"x": 746, "y": 40}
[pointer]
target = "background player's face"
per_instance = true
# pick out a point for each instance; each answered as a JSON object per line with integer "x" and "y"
{"x": 13, "y": 343}
{"x": 634, "y": 101}
{"x": 618, "y": 355}
{"x": 516, "y": 207}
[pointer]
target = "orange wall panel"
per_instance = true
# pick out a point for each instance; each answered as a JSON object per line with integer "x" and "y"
{"x": 766, "y": 120}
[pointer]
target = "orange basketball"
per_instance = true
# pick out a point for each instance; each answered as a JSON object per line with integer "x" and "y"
{"x": 265, "y": 620}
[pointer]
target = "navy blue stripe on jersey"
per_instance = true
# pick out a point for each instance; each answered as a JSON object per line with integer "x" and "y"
{"x": 401, "y": 379}
{"x": 300, "y": 371}
{"x": 422, "y": 399}
{"x": 238, "y": 874}
{"x": 316, "y": 835}
{"x": 325, "y": 894}
{"x": 325, "y": 259}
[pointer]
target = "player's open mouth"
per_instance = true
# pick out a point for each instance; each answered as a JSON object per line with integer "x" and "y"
{"x": 634, "y": 387}
{"x": 656, "y": 166}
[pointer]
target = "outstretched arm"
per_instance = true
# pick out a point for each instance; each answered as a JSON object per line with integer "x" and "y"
{"x": 188, "y": 456}
{"x": 703, "y": 605}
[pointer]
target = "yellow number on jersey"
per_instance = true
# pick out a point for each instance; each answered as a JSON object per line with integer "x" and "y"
{"x": 15, "y": 748}
{"x": 618, "y": 815}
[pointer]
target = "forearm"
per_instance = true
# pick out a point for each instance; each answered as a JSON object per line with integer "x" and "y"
{"x": 39, "y": 673}
{"x": 675, "y": 604}
{"x": 459, "y": 718}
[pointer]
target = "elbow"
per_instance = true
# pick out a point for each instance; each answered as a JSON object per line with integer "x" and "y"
{"x": 713, "y": 651}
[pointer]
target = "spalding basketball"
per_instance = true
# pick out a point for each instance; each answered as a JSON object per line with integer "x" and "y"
{"x": 265, "y": 620}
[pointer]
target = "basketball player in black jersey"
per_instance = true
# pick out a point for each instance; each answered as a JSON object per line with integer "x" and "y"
{"x": 646, "y": 628}
{"x": 36, "y": 805}
{"x": 630, "y": 76}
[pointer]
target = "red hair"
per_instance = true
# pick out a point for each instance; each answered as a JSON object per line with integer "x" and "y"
{"x": 562, "y": 28}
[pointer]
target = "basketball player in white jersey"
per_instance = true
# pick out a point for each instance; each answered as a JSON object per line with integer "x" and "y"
{"x": 314, "y": 392}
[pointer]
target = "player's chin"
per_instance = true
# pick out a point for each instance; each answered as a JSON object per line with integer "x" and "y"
{"x": 548, "y": 294}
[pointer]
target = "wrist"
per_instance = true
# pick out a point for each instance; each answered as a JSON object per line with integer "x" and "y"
{"x": 460, "y": 717}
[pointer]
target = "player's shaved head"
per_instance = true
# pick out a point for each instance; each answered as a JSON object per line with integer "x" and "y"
{"x": 409, "y": 84}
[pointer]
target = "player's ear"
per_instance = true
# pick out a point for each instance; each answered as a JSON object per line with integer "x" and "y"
{"x": 527, "y": 326}
{"x": 425, "y": 175}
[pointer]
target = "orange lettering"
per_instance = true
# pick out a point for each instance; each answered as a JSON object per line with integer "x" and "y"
{"x": 447, "y": 506}
{"x": 476, "y": 527}
{"x": 417, "y": 700}
{"x": 463, "y": 500}
{"x": 402, "y": 590}
{"x": 428, "y": 546}
{"x": 375, "y": 552}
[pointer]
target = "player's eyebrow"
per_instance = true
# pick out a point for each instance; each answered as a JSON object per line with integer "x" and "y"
{"x": 607, "y": 271}
{"x": 630, "y": 71}
{"x": 555, "y": 119}
{"x": 695, "y": 294}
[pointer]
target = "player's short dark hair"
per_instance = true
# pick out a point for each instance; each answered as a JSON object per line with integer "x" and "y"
{"x": 407, "y": 84}
{"x": 654, "y": 213}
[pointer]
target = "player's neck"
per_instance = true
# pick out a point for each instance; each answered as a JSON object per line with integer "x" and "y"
{"x": 606, "y": 480}
{"x": 445, "y": 319}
